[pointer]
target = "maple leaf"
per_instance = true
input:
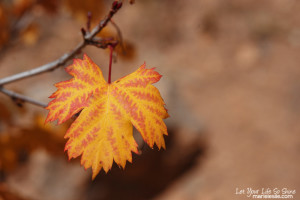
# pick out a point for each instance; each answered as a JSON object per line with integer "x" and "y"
{"x": 103, "y": 131}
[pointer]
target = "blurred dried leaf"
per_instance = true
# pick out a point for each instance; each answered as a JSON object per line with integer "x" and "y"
{"x": 15, "y": 18}
{"x": 30, "y": 34}
{"x": 79, "y": 9}
{"x": 129, "y": 51}
{"x": 17, "y": 143}
{"x": 56, "y": 131}
{"x": 4, "y": 26}
{"x": 106, "y": 33}
{"x": 49, "y": 6}
{"x": 5, "y": 115}
{"x": 209, "y": 25}
{"x": 8, "y": 155}
{"x": 126, "y": 52}
{"x": 5, "y": 194}
{"x": 21, "y": 6}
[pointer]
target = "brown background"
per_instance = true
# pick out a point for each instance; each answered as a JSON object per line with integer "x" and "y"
{"x": 231, "y": 82}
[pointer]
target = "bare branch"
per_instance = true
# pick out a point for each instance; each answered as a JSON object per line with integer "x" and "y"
{"x": 62, "y": 60}
{"x": 102, "y": 42}
{"x": 21, "y": 97}
{"x": 88, "y": 39}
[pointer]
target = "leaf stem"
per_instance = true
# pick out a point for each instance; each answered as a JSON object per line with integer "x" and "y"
{"x": 111, "y": 49}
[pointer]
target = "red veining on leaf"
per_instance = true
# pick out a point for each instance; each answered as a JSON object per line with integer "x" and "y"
{"x": 102, "y": 133}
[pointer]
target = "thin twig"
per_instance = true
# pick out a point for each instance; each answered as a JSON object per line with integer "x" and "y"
{"x": 119, "y": 35}
{"x": 102, "y": 42}
{"x": 87, "y": 38}
{"x": 88, "y": 23}
{"x": 14, "y": 95}
{"x": 62, "y": 60}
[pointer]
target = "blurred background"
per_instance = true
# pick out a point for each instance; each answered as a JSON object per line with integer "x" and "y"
{"x": 231, "y": 82}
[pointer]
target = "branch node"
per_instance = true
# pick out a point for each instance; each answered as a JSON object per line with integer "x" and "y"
{"x": 89, "y": 38}
{"x": 116, "y": 5}
{"x": 83, "y": 31}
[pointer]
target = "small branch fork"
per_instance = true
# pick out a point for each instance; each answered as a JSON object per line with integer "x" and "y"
{"x": 89, "y": 38}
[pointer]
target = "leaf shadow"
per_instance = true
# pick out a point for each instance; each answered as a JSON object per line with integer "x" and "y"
{"x": 150, "y": 173}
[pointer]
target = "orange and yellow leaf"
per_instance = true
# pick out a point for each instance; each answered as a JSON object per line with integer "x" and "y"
{"x": 102, "y": 133}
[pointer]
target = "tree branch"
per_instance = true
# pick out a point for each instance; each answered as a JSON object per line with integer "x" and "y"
{"x": 16, "y": 96}
{"x": 88, "y": 39}
{"x": 62, "y": 60}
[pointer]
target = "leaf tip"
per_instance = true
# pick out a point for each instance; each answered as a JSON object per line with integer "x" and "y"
{"x": 69, "y": 156}
{"x": 85, "y": 57}
{"x": 167, "y": 115}
{"x": 163, "y": 145}
{"x": 46, "y": 121}
{"x": 139, "y": 152}
{"x": 94, "y": 176}
{"x": 143, "y": 66}
{"x": 48, "y": 118}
